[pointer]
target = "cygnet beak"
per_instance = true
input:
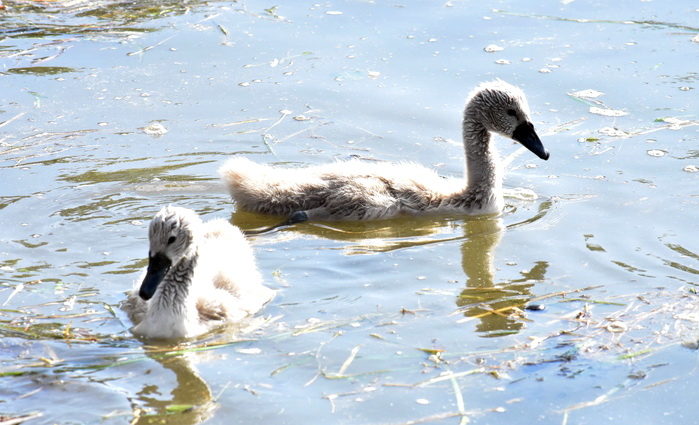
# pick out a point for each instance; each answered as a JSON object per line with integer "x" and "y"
{"x": 158, "y": 266}
{"x": 525, "y": 134}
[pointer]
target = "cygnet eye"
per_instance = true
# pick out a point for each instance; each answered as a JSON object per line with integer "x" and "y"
{"x": 512, "y": 113}
{"x": 171, "y": 240}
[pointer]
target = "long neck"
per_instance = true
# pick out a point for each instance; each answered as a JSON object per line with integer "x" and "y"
{"x": 174, "y": 290}
{"x": 481, "y": 157}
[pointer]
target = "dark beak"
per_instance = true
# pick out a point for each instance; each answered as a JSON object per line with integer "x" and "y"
{"x": 158, "y": 266}
{"x": 525, "y": 134}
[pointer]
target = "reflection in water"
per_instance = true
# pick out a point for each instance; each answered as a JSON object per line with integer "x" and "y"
{"x": 23, "y": 24}
{"x": 190, "y": 402}
{"x": 45, "y": 19}
{"x": 482, "y": 299}
{"x": 684, "y": 253}
{"x": 41, "y": 70}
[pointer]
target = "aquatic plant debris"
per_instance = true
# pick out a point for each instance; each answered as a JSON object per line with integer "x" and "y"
{"x": 597, "y": 107}
{"x": 589, "y": 93}
{"x": 598, "y": 21}
{"x": 492, "y": 48}
{"x": 613, "y": 132}
{"x": 155, "y": 129}
{"x": 590, "y": 333}
{"x": 18, "y": 288}
{"x": 147, "y": 48}
{"x": 607, "y": 112}
{"x": 16, "y": 420}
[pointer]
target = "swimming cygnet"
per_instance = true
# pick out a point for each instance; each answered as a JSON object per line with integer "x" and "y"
{"x": 360, "y": 190}
{"x": 200, "y": 275}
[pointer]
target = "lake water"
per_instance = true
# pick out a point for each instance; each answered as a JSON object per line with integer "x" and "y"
{"x": 109, "y": 111}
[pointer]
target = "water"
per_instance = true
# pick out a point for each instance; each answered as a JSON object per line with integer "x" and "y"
{"x": 384, "y": 323}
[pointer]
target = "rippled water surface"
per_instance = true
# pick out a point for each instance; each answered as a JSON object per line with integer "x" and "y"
{"x": 109, "y": 111}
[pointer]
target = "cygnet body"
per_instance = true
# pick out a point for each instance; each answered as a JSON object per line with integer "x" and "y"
{"x": 360, "y": 190}
{"x": 200, "y": 275}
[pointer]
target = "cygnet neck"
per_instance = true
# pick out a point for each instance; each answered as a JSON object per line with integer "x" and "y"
{"x": 174, "y": 290}
{"x": 481, "y": 156}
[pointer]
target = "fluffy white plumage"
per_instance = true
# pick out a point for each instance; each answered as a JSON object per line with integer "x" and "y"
{"x": 200, "y": 275}
{"x": 358, "y": 190}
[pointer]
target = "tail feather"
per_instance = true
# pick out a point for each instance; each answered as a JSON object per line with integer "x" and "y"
{"x": 265, "y": 189}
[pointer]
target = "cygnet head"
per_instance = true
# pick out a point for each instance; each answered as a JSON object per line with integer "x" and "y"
{"x": 502, "y": 108}
{"x": 171, "y": 235}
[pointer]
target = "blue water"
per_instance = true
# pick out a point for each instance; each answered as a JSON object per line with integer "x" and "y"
{"x": 608, "y": 247}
